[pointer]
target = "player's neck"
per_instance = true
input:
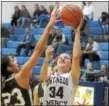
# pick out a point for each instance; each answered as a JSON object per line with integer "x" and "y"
{"x": 60, "y": 71}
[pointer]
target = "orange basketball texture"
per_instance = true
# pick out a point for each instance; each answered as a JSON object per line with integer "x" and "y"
{"x": 71, "y": 15}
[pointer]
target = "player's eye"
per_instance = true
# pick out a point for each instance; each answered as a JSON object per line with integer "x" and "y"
{"x": 66, "y": 58}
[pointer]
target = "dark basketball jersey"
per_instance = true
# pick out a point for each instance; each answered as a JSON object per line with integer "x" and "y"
{"x": 13, "y": 94}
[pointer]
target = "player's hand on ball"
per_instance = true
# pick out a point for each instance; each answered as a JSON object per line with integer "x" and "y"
{"x": 55, "y": 15}
{"x": 79, "y": 26}
{"x": 49, "y": 52}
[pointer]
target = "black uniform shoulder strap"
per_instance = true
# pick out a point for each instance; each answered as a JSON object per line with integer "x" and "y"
{"x": 40, "y": 90}
{"x": 10, "y": 78}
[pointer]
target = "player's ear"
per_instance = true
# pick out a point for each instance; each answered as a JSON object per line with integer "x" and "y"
{"x": 9, "y": 68}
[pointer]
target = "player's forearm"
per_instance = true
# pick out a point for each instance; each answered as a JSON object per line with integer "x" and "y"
{"x": 76, "y": 59}
{"x": 44, "y": 70}
{"x": 41, "y": 45}
{"x": 77, "y": 46}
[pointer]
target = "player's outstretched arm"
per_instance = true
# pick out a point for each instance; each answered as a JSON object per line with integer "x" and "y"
{"x": 45, "y": 71}
{"x": 76, "y": 55}
{"x": 24, "y": 74}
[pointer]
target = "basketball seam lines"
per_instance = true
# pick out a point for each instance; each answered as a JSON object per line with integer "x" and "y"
{"x": 71, "y": 12}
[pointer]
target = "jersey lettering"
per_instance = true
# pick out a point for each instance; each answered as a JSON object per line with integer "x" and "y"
{"x": 60, "y": 79}
{"x": 54, "y": 93}
{"x": 59, "y": 89}
{"x": 6, "y": 97}
{"x": 60, "y": 93}
{"x": 19, "y": 97}
{"x": 56, "y": 103}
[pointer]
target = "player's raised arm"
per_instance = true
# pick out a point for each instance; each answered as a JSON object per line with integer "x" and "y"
{"x": 26, "y": 69}
{"x": 45, "y": 71}
{"x": 75, "y": 72}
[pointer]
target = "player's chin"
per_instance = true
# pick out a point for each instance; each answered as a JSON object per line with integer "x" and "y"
{"x": 63, "y": 66}
{"x": 16, "y": 70}
{"x": 64, "y": 69}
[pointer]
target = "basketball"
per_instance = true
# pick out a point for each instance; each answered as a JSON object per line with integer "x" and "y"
{"x": 71, "y": 15}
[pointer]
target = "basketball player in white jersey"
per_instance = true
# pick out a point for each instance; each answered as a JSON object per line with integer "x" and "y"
{"x": 59, "y": 87}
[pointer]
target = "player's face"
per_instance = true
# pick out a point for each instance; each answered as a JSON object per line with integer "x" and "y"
{"x": 64, "y": 62}
{"x": 13, "y": 65}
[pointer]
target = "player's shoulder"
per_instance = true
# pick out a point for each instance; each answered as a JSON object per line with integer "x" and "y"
{"x": 35, "y": 90}
{"x": 39, "y": 90}
{"x": 39, "y": 86}
{"x": 8, "y": 83}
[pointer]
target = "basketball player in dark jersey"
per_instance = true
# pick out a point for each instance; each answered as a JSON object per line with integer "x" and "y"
{"x": 17, "y": 90}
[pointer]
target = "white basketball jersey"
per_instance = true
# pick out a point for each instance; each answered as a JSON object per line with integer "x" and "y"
{"x": 59, "y": 90}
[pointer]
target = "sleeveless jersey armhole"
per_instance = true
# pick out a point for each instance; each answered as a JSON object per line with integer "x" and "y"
{"x": 74, "y": 83}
